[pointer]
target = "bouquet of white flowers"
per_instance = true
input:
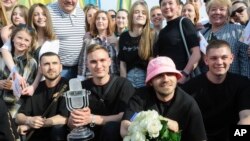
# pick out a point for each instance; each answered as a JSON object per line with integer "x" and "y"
{"x": 150, "y": 126}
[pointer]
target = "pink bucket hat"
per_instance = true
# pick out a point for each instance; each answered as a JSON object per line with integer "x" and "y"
{"x": 160, "y": 65}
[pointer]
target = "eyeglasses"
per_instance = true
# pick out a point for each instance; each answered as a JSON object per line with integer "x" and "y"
{"x": 239, "y": 10}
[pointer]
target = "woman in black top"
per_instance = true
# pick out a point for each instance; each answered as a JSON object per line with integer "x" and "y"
{"x": 135, "y": 45}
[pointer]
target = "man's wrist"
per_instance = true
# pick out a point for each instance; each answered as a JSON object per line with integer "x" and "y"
{"x": 27, "y": 121}
{"x": 92, "y": 123}
{"x": 185, "y": 73}
{"x": 48, "y": 123}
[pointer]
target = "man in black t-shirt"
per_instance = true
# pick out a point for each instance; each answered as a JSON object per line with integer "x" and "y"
{"x": 51, "y": 126}
{"x": 108, "y": 98}
{"x": 163, "y": 95}
{"x": 223, "y": 97}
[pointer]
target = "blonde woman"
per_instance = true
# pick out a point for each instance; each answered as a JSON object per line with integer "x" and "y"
{"x": 135, "y": 45}
{"x": 19, "y": 15}
{"x": 23, "y": 39}
{"x": 3, "y": 20}
{"x": 191, "y": 12}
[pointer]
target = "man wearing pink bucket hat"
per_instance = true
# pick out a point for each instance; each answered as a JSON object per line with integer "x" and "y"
{"x": 163, "y": 95}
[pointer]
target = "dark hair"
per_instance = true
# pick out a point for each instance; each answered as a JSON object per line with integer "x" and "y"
{"x": 112, "y": 10}
{"x": 86, "y": 9}
{"x": 88, "y": 6}
{"x": 240, "y": 1}
{"x": 215, "y": 44}
{"x": 49, "y": 54}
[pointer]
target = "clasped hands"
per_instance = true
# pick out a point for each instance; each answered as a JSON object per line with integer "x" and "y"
{"x": 80, "y": 117}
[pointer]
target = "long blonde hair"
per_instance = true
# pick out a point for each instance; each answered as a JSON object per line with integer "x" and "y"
{"x": 48, "y": 30}
{"x": 3, "y": 16}
{"x": 145, "y": 50}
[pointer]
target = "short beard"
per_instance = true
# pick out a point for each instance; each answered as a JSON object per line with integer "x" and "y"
{"x": 163, "y": 95}
{"x": 52, "y": 79}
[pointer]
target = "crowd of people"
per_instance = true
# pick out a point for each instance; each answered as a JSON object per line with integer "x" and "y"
{"x": 129, "y": 61}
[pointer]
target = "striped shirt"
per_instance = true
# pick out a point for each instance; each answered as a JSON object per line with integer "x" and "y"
{"x": 70, "y": 30}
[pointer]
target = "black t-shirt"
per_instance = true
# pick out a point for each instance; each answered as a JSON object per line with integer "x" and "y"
{"x": 38, "y": 103}
{"x": 8, "y": 130}
{"x": 182, "y": 108}
{"x": 220, "y": 104}
{"x": 170, "y": 42}
{"x": 111, "y": 102}
{"x": 114, "y": 101}
{"x": 1, "y": 43}
{"x": 128, "y": 52}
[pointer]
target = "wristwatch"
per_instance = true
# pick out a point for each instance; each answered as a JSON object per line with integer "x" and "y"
{"x": 92, "y": 123}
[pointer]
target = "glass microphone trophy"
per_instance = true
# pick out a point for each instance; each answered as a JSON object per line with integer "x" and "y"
{"x": 78, "y": 98}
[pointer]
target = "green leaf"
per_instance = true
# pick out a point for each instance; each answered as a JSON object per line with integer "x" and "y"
{"x": 168, "y": 135}
{"x": 175, "y": 136}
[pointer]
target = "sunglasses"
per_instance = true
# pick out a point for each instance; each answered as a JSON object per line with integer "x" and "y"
{"x": 113, "y": 16}
{"x": 239, "y": 10}
{"x": 30, "y": 29}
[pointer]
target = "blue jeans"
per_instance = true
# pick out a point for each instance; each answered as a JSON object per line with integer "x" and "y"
{"x": 69, "y": 72}
{"x": 137, "y": 77}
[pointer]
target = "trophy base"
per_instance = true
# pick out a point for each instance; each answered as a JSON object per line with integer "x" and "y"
{"x": 80, "y": 134}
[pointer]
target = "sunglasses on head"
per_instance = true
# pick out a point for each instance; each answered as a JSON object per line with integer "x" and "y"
{"x": 25, "y": 26}
{"x": 239, "y": 10}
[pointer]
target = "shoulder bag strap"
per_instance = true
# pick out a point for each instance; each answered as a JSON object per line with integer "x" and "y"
{"x": 183, "y": 37}
{"x": 111, "y": 83}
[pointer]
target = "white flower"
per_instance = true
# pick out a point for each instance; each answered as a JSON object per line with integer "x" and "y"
{"x": 154, "y": 127}
{"x": 144, "y": 123}
{"x": 135, "y": 127}
{"x": 127, "y": 138}
{"x": 138, "y": 136}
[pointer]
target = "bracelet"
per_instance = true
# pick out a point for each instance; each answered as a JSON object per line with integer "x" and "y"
{"x": 92, "y": 123}
{"x": 185, "y": 73}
